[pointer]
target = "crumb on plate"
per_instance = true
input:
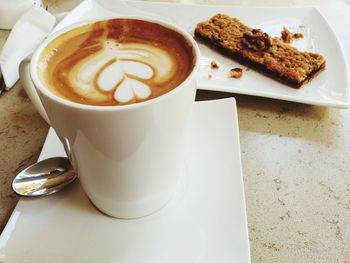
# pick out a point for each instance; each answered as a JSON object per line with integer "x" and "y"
{"x": 288, "y": 37}
{"x": 236, "y": 73}
{"x": 214, "y": 65}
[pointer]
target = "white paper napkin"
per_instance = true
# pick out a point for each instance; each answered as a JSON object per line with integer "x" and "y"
{"x": 12, "y": 10}
{"x": 29, "y": 31}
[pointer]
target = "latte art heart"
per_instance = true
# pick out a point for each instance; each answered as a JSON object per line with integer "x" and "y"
{"x": 119, "y": 63}
{"x": 116, "y": 62}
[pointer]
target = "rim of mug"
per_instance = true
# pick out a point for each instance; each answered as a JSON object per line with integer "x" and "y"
{"x": 40, "y": 86}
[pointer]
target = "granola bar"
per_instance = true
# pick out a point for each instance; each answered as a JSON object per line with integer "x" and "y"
{"x": 256, "y": 49}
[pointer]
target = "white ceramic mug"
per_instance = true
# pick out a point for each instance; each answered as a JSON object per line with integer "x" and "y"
{"x": 128, "y": 158}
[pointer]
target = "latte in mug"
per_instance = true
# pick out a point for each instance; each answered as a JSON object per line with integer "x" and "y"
{"x": 128, "y": 158}
{"x": 115, "y": 62}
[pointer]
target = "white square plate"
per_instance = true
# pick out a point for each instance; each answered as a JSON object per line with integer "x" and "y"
{"x": 205, "y": 222}
{"x": 330, "y": 88}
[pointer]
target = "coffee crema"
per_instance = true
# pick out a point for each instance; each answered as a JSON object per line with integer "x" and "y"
{"x": 115, "y": 62}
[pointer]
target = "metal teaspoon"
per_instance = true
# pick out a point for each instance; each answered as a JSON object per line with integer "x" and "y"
{"x": 45, "y": 177}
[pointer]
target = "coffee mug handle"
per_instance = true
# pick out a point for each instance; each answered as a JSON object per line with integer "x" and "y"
{"x": 28, "y": 85}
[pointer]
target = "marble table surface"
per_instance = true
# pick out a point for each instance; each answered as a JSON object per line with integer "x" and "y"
{"x": 295, "y": 157}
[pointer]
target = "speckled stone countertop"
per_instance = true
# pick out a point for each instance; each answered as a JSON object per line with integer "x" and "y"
{"x": 296, "y": 163}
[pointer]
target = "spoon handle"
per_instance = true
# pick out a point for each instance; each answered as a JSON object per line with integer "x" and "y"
{"x": 2, "y": 82}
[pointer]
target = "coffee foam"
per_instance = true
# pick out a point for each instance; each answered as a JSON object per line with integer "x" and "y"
{"x": 116, "y": 62}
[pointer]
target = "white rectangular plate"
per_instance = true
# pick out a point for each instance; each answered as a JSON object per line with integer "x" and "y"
{"x": 330, "y": 88}
{"x": 205, "y": 222}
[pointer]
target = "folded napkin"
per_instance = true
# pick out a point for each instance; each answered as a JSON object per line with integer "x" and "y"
{"x": 29, "y": 31}
{"x": 12, "y": 10}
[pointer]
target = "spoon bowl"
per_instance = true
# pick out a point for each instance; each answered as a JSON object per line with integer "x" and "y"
{"x": 45, "y": 177}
